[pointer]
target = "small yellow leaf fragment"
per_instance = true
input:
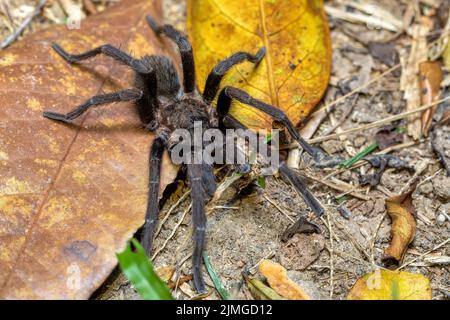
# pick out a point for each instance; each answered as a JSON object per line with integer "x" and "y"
{"x": 165, "y": 273}
{"x": 391, "y": 285}
{"x": 277, "y": 278}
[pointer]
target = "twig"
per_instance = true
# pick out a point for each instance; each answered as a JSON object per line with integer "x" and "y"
{"x": 173, "y": 232}
{"x": 377, "y": 124}
{"x": 11, "y": 38}
{"x": 280, "y": 209}
{"x": 374, "y": 240}
{"x": 339, "y": 188}
{"x": 424, "y": 254}
{"x": 331, "y": 257}
{"x": 169, "y": 212}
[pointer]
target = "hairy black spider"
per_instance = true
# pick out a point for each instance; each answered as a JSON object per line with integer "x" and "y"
{"x": 164, "y": 105}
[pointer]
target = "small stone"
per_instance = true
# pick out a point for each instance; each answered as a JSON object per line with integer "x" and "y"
{"x": 440, "y": 219}
{"x": 359, "y": 141}
{"x": 442, "y": 188}
{"x": 426, "y": 188}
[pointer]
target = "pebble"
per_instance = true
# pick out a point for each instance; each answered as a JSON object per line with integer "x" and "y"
{"x": 440, "y": 219}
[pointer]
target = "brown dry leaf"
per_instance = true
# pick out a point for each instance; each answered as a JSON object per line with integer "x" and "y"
{"x": 277, "y": 278}
{"x": 295, "y": 71}
{"x": 71, "y": 195}
{"x": 403, "y": 230}
{"x": 391, "y": 285}
{"x": 409, "y": 82}
{"x": 431, "y": 77}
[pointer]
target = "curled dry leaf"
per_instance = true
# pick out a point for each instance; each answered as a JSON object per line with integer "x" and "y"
{"x": 295, "y": 71}
{"x": 391, "y": 285}
{"x": 71, "y": 195}
{"x": 431, "y": 77}
{"x": 403, "y": 230}
{"x": 277, "y": 278}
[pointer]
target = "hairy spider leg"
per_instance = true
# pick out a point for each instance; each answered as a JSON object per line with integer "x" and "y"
{"x": 218, "y": 72}
{"x": 151, "y": 214}
{"x": 117, "y": 54}
{"x": 195, "y": 174}
{"x": 185, "y": 47}
{"x": 229, "y": 121}
{"x": 230, "y": 93}
{"x": 123, "y": 95}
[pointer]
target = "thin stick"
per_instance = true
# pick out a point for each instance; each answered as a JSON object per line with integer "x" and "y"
{"x": 424, "y": 254}
{"x": 176, "y": 204}
{"x": 173, "y": 232}
{"x": 374, "y": 240}
{"x": 11, "y": 38}
{"x": 331, "y": 257}
{"x": 358, "y": 89}
{"x": 377, "y": 123}
{"x": 280, "y": 209}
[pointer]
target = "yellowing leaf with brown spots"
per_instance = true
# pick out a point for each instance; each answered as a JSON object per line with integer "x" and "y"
{"x": 71, "y": 195}
{"x": 403, "y": 230}
{"x": 277, "y": 278}
{"x": 295, "y": 71}
{"x": 391, "y": 285}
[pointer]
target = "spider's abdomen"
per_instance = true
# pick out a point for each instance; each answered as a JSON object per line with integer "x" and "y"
{"x": 168, "y": 87}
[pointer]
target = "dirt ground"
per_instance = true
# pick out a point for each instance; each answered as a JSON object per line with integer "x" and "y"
{"x": 242, "y": 230}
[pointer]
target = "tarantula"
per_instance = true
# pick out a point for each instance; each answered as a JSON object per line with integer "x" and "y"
{"x": 164, "y": 105}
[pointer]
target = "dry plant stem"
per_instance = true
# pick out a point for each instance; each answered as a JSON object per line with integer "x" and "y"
{"x": 377, "y": 123}
{"x": 171, "y": 209}
{"x": 279, "y": 209}
{"x": 374, "y": 240}
{"x": 339, "y": 188}
{"x": 173, "y": 232}
{"x": 344, "y": 97}
{"x": 331, "y": 257}
{"x": 424, "y": 254}
{"x": 420, "y": 168}
{"x": 13, "y": 37}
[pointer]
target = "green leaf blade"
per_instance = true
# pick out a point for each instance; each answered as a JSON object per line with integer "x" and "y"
{"x": 139, "y": 270}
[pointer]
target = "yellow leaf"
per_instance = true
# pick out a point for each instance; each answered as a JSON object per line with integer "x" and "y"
{"x": 277, "y": 278}
{"x": 391, "y": 285}
{"x": 295, "y": 71}
{"x": 400, "y": 209}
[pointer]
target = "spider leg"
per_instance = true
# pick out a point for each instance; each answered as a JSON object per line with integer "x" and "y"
{"x": 187, "y": 57}
{"x": 230, "y": 122}
{"x": 219, "y": 71}
{"x": 123, "y": 95}
{"x": 108, "y": 50}
{"x": 151, "y": 214}
{"x": 195, "y": 173}
{"x": 229, "y": 93}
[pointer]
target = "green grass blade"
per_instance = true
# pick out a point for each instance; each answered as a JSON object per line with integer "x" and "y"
{"x": 139, "y": 270}
{"x": 215, "y": 278}
{"x": 348, "y": 163}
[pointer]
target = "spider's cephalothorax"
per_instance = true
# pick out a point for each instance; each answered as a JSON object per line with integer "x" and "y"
{"x": 164, "y": 105}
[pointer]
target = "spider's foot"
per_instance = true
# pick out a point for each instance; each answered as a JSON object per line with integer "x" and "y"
{"x": 59, "y": 50}
{"x": 199, "y": 282}
{"x": 56, "y": 116}
{"x": 324, "y": 160}
{"x": 260, "y": 55}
